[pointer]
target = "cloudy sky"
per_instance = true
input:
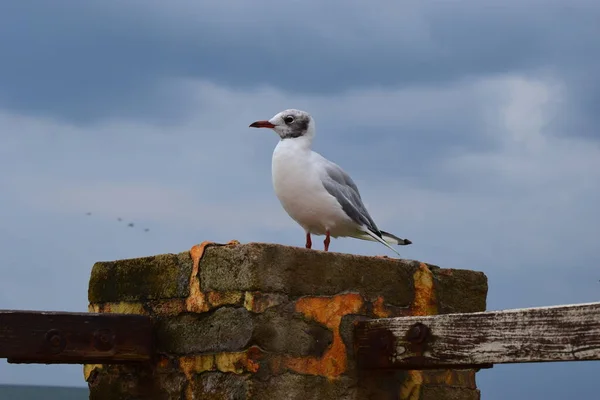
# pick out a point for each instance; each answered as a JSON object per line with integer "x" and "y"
{"x": 470, "y": 127}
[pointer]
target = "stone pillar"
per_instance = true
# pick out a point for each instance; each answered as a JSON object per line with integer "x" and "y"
{"x": 263, "y": 321}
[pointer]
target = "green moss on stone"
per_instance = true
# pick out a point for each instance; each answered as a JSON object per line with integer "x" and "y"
{"x": 459, "y": 290}
{"x": 301, "y": 272}
{"x": 291, "y": 386}
{"x": 439, "y": 392}
{"x": 125, "y": 382}
{"x": 137, "y": 279}
{"x": 225, "y": 329}
{"x": 279, "y": 330}
{"x": 221, "y": 386}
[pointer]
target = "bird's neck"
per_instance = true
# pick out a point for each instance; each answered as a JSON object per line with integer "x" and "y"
{"x": 300, "y": 143}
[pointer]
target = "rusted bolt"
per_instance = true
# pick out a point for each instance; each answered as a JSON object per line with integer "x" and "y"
{"x": 417, "y": 333}
{"x": 55, "y": 341}
{"x": 104, "y": 339}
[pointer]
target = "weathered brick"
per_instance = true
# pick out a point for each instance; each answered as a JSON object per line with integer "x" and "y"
{"x": 302, "y": 387}
{"x": 220, "y": 386}
{"x": 300, "y": 272}
{"x": 282, "y": 327}
{"x": 157, "y": 277}
{"x": 126, "y": 382}
{"x": 448, "y": 393}
{"x": 283, "y": 331}
{"x": 258, "y": 302}
{"x": 225, "y": 329}
{"x": 459, "y": 290}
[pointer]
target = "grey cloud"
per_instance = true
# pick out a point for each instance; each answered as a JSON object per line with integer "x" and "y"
{"x": 85, "y": 61}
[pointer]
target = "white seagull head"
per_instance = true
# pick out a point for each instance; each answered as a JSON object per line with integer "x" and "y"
{"x": 290, "y": 124}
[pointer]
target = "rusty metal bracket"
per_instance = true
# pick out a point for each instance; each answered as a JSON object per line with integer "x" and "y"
{"x": 74, "y": 338}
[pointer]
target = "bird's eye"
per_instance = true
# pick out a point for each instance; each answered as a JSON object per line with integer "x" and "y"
{"x": 288, "y": 120}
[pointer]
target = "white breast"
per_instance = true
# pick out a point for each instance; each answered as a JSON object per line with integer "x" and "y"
{"x": 298, "y": 186}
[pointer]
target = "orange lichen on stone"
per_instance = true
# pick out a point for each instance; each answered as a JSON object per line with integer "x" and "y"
{"x": 462, "y": 378}
{"x": 162, "y": 363}
{"x": 191, "y": 365}
{"x": 236, "y": 362}
{"x": 167, "y": 307}
{"x": 118, "y": 308}
{"x": 196, "y": 301}
{"x": 259, "y": 302}
{"x": 217, "y": 299}
{"x": 411, "y": 387}
{"x": 424, "y": 302}
{"x": 88, "y": 368}
{"x": 383, "y": 310}
{"x": 379, "y": 308}
{"x": 328, "y": 311}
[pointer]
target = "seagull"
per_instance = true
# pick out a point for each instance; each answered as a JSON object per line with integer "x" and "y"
{"x": 315, "y": 192}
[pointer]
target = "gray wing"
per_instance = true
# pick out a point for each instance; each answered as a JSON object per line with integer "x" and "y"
{"x": 341, "y": 186}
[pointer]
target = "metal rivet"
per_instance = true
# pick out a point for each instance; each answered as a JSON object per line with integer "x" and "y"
{"x": 417, "y": 333}
{"x": 104, "y": 339}
{"x": 55, "y": 341}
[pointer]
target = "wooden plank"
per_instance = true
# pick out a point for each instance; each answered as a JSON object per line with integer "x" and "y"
{"x": 74, "y": 338}
{"x": 479, "y": 340}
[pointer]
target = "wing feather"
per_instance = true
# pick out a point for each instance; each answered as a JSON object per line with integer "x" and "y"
{"x": 341, "y": 186}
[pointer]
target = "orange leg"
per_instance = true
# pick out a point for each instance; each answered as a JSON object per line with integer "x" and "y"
{"x": 326, "y": 241}
{"x": 308, "y": 241}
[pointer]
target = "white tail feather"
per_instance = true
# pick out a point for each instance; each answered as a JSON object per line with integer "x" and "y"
{"x": 382, "y": 241}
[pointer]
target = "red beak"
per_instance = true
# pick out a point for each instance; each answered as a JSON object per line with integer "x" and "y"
{"x": 262, "y": 124}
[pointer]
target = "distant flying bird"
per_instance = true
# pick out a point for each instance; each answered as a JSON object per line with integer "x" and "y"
{"x": 88, "y": 213}
{"x": 119, "y": 219}
{"x": 146, "y": 230}
{"x": 130, "y": 225}
{"x": 314, "y": 191}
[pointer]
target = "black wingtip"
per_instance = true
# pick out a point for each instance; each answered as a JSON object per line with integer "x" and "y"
{"x": 401, "y": 242}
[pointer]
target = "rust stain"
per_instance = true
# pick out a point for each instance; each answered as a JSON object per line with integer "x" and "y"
{"x": 424, "y": 302}
{"x": 328, "y": 311}
{"x": 411, "y": 387}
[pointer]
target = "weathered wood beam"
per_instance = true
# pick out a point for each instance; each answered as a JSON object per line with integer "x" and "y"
{"x": 479, "y": 340}
{"x": 74, "y": 338}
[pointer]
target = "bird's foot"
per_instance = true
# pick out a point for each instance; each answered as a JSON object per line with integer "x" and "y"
{"x": 308, "y": 241}
{"x": 326, "y": 241}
